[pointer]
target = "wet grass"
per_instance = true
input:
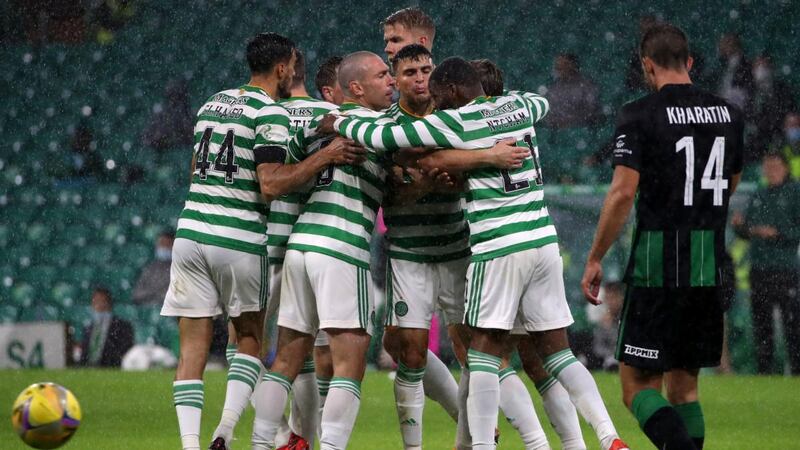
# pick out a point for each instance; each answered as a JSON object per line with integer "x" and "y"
{"x": 124, "y": 410}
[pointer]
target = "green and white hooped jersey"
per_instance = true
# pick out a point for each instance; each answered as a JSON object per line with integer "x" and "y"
{"x": 224, "y": 206}
{"x": 284, "y": 210}
{"x": 339, "y": 215}
{"x": 505, "y": 209}
{"x": 431, "y": 230}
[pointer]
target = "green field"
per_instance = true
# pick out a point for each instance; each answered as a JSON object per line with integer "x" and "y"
{"x": 124, "y": 410}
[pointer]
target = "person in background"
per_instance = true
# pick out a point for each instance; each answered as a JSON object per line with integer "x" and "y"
{"x": 153, "y": 282}
{"x": 772, "y": 224}
{"x": 84, "y": 160}
{"x": 735, "y": 80}
{"x": 773, "y": 99}
{"x": 789, "y": 144}
{"x": 107, "y": 338}
{"x": 171, "y": 125}
{"x": 575, "y": 96}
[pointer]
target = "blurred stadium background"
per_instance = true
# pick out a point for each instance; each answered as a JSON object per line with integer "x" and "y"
{"x": 91, "y": 80}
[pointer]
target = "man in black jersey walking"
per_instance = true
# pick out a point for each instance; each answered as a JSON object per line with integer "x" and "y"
{"x": 678, "y": 154}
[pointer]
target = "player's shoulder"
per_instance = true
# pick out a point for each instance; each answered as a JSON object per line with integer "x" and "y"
{"x": 351, "y": 109}
{"x": 310, "y": 103}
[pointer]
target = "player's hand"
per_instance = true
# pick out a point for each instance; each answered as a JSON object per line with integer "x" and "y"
{"x": 441, "y": 180}
{"x": 344, "y": 151}
{"x": 506, "y": 154}
{"x": 325, "y": 126}
{"x": 590, "y": 283}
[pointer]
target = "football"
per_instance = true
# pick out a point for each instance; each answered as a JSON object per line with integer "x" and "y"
{"x": 46, "y": 415}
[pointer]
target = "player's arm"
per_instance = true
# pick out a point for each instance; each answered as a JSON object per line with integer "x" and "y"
{"x": 277, "y": 178}
{"x": 619, "y": 200}
{"x": 539, "y": 105}
{"x": 391, "y": 137}
{"x": 504, "y": 155}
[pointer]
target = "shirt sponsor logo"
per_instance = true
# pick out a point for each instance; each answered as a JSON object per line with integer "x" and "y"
{"x": 641, "y": 352}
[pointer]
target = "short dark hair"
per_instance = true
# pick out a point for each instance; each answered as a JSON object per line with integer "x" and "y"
{"x": 265, "y": 50}
{"x": 413, "y": 19}
{"x": 666, "y": 45}
{"x": 413, "y": 52}
{"x": 105, "y": 291}
{"x": 455, "y": 70}
{"x": 299, "y": 68}
{"x": 777, "y": 155}
{"x": 326, "y": 74}
{"x": 491, "y": 76}
{"x": 572, "y": 58}
{"x": 167, "y": 233}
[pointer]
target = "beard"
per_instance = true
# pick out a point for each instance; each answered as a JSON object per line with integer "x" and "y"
{"x": 284, "y": 91}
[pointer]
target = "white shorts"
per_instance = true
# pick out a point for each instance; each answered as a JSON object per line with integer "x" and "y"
{"x": 206, "y": 280}
{"x": 524, "y": 288}
{"x": 320, "y": 291}
{"x": 414, "y": 290}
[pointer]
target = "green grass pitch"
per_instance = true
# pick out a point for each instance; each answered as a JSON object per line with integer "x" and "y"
{"x": 124, "y": 410}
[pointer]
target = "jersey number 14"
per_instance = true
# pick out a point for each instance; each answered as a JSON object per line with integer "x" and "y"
{"x": 712, "y": 174}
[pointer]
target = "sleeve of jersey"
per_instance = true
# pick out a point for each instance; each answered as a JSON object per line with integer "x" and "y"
{"x": 428, "y": 132}
{"x": 539, "y": 105}
{"x": 296, "y": 150}
{"x": 272, "y": 127}
{"x": 628, "y": 140}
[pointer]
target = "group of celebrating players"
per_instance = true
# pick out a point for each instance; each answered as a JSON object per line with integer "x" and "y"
{"x": 284, "y": 197}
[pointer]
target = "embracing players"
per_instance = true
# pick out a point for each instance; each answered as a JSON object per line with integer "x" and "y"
{"x": 516, "y": 269}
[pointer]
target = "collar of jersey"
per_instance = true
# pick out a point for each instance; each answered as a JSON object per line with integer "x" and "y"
{"x": 407, "y": 113}
{"x": 250, "y": 88}
{"x": 348, "y": 106}
{"x": 300, "y": 97}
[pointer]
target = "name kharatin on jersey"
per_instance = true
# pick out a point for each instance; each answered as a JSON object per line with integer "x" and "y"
{"x": 505, "y": 209}
{"x": 434, "y": 229}
{"x": 224, "y": 206}
{"x": 284, "y": 211}
{"x": 339, "y": 215}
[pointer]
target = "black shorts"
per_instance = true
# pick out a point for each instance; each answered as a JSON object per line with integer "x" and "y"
{"x": 671, "y": 328}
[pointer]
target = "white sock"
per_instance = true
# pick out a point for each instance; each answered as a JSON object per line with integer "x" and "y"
{"x": 516, "y": 404}
{"x": 463, "y": 438}
{"x": 483, "y": 399}
{"x": 323, "y": 385}
{"x": 271, "y": 396}
{"x": 304, "y": 414}
{"x": 562, "y": 414}
{"x": 243, "y": 374}
{"x": 440, "y": 386}
{"x": 409, "y": 396}
{"x": 339, "y": 415}
{"x": 187, "y": 396}
{"x": 583, "y": 393}
{"x": 283, "y": 433}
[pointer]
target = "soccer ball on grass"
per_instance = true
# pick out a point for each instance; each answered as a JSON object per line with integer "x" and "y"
{"x": 46, "y": 415}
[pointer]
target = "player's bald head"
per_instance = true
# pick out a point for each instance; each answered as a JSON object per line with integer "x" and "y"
{"x": 355, "y": 66}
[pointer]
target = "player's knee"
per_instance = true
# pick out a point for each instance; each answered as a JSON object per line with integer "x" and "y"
{"x": 391, "y": 342}
{"x": 415, "y": 357}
